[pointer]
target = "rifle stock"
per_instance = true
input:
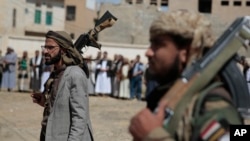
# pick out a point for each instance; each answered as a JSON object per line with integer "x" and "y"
{"x": 199, "y": 74}
{"x": 88, "y": 39}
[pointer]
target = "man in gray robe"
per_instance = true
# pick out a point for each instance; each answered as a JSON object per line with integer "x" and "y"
{"x": 65, "y": 97}
{"x": 9, "y": 73}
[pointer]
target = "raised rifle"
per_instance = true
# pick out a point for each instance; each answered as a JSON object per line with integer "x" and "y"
{"x": 89, "y": 39}
{"x": 220, "y": 59}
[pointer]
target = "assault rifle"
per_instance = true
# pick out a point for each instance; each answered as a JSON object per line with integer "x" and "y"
{"x": 220, "y": 59}
{"x": 88, "y": 39}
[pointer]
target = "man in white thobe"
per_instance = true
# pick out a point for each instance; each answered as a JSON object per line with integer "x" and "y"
{"x": 103, "y": 80}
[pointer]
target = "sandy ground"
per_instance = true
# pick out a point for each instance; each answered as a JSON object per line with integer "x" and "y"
{"x": 20, "y": 118}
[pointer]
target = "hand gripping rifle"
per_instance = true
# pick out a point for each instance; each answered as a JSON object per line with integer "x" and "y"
{"x": 88, "y": 39}
{"x": 220, "y": 59}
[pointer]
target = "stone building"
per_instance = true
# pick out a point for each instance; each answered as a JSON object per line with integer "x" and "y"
{"x": 24, "y": 22}
{"x": 80, "y": 16}
{"x": 31, "y": 17}
{"x": 135, "y": 16}
{"x": 226, "y": 10}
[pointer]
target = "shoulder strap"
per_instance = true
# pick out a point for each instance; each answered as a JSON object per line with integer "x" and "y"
{"x": 85, "y": 68}
{"x": 171, "y": 128}
{"x": 223, "y": 115}
{"x": 202, "y": 96}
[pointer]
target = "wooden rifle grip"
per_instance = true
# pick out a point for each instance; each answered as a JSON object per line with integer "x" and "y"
{"x": 177, "y": 91}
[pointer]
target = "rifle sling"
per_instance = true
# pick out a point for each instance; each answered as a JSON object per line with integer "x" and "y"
{"x": 174, "y": 120}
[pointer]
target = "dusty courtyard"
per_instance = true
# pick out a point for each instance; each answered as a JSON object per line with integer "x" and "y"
{"x": 20, "y": 118}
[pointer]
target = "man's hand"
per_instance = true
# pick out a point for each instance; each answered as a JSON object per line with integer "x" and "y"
{"x": 38, "y": 98}
{"x": 145, "y": 122}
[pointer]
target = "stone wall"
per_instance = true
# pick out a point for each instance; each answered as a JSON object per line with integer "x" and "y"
{"x": 134, "y": 21}
{"x": 132, "y": 24}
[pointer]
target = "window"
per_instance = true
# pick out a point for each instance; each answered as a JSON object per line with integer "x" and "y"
{"x": 14, "y": 18}
{"x": 153, "y": 2}
{"x": 38, "y": 4}
{"x": 70, "y": 13}
{"x": 49, "y": 5}
{"x": 129, "y": 1}
{"x": 139, "y": 1}
{"x": 237, "y": 3}
{"x": 38, "y": 16}
{"x": 224, "y": 3}
{"x": 48, "y": 18}
{"x": 164, "y": 5}
{"x": 205, "y": 6}
{"x": 247, "y": 3}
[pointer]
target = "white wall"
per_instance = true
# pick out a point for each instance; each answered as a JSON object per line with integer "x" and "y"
{"x": 21, "y": 44}
{"x": 31, "y": 44}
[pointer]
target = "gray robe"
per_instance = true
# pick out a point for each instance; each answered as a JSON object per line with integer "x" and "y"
{"x": 69, "y": 118}
{"x": 9, "y": 74}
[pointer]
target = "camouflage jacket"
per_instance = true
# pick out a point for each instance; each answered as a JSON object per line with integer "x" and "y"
{"x": 207, "y": 117}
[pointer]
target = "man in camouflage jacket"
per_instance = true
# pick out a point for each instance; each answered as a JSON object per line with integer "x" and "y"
{"x": 177, "y": 39}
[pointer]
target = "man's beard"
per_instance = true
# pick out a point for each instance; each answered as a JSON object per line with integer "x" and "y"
{"x": 171, "y": 74}
{"x": 54, "y": 60}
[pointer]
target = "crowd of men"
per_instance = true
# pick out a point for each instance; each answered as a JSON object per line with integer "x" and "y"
{"x": 120, "y": 77}
{"x": 30, "y": 74}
